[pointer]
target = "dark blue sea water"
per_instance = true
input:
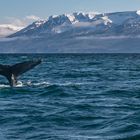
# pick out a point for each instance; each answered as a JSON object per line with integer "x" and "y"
{"x": 73, "y": 97}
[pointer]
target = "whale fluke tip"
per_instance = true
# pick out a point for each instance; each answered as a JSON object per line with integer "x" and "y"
{"x": 12, "y": 72}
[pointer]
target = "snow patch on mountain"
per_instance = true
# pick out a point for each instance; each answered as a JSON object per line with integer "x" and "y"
{"x": 106, "y": 20}
{"x": 91, "y": 15}
{"x": 118, "y": 22}
{"x": 138, "y": 12}
{"x": 71, "y": 17}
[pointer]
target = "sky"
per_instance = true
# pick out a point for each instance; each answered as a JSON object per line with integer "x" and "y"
{"x": 22, "y": 12}
{"x": 44, "y": 8}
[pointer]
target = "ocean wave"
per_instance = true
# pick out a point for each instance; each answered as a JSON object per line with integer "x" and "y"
{"x": 4, "y": 86}
{"x": 65, "y": 84}
{"x": 45, "y": 84}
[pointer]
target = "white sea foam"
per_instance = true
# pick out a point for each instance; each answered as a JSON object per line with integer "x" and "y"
{"x": 67, "y": 83}
{"x": 19, "y": 84}
{"x": 44, "y": 83}
{"x": 41, "y": 83}
{"x": 4, "y": 86}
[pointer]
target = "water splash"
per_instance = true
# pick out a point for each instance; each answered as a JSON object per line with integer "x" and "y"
{"x": 4, "y": 86}
{"x": 19, "y": 84}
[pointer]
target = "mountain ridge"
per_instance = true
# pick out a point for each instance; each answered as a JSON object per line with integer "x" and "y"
{"x": 117, "y": 32}
{"x": 107, "y": 22}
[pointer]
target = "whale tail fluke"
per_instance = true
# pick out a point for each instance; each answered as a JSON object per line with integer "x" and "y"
{"x": 12, "y": 72}
{"x": 23, "y": 67}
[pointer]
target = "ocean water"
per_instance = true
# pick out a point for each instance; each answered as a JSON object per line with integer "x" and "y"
{"x": 73, "y": 97}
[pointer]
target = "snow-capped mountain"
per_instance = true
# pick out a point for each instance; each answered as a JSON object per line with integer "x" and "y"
{"x": 119, "y": 23}
{"x": 78, "y": 33}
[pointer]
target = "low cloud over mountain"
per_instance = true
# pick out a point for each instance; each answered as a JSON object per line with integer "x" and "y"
{"x": 13, "y": 24}
{"x": 78, "y": 33}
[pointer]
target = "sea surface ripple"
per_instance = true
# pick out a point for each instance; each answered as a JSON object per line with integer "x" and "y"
{"x": 72, "y": 97}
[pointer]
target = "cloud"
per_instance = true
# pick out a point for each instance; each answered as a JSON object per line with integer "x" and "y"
{"x": 10, "y": 26}
{"x": 13, "y": 24}
{"x": 22, "y": 21}
{"x": 33, "y": 17}
{"x": 7, "y": 29}
{"x": 106, "y": 37}
{"x": 15, "y": 21}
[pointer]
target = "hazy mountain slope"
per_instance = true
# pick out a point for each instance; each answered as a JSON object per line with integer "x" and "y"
{"x": 78, "y": 33}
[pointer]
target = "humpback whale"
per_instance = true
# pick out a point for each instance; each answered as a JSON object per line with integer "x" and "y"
{"x": 11, "y": 72}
